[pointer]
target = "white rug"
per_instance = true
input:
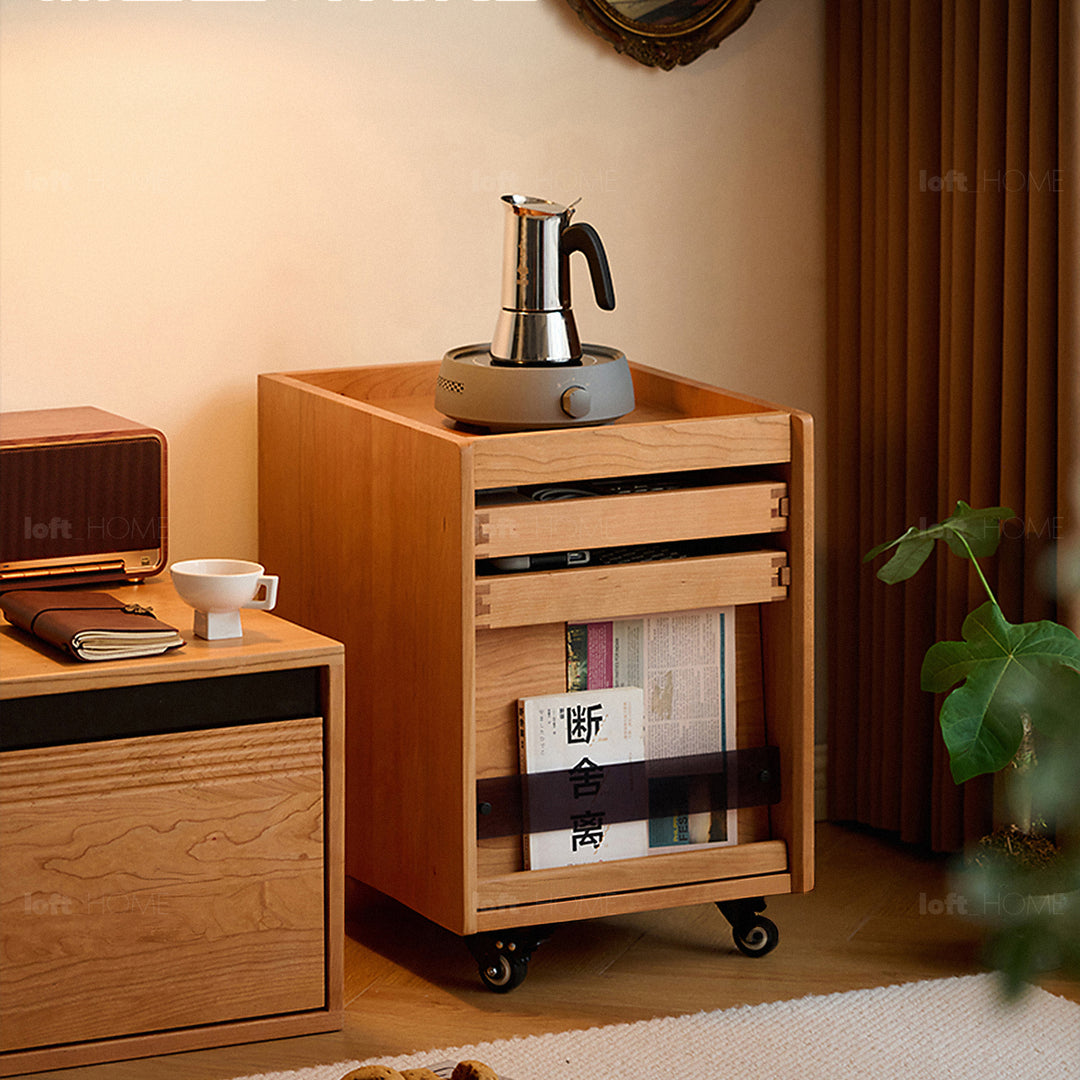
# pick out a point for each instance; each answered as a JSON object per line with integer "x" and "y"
{"x": 944, "y": 1029}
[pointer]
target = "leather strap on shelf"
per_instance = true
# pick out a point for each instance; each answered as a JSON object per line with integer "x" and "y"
{"x": 631, "y": 791}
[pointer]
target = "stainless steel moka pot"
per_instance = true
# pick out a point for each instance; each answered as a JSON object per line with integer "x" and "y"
{"x": 536, "y": 324}
{"x": 535, "y": 373}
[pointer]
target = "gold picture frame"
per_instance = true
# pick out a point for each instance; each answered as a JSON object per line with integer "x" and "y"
{"x": 663, "y": 33}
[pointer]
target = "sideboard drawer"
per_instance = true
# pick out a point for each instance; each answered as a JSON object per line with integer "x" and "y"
{"x": 161, "y": 882}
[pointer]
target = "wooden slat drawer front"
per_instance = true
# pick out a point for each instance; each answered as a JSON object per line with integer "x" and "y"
{"x": 629, "y": 875}
{"x": 161, "y": 882}
{"x": 587, "y": 594}
{"x": 631, "y": 449}
{"x": 616, "y": 520}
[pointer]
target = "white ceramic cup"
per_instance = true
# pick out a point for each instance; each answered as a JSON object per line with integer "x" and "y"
{"x": 218, "y": 588}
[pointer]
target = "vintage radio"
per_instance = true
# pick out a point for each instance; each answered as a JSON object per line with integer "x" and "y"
{"x": 82, "y": 498}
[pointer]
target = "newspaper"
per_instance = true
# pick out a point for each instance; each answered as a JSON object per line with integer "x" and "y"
{"x": 685, "y": 663}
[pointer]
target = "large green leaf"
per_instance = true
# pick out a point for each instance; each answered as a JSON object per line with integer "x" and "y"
{"x": 1009, "y": 672}
{"x": 980, "y": 528}
{"x": 966, "y": 531}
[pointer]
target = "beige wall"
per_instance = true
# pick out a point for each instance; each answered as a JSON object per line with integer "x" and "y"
{"x": 194, "y": 193}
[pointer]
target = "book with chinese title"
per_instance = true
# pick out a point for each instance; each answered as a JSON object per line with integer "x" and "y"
{"x": 685, "y": 661}
{"x": 569, "y": 744}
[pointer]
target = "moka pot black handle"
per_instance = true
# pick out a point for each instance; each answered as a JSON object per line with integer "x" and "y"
{"x": 584, "y": 238}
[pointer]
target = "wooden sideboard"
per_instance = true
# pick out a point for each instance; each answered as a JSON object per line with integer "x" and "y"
{"x": 171, "y": 842}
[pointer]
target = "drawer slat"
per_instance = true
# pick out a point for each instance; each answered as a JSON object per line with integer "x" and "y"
{"x": 616, "y": 520}
{"x": 756, "y": 438}
{"x": 634, "y": 875}
{"x": 590, "y": 594}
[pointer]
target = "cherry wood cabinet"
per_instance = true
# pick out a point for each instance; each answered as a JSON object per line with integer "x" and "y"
{"x": 380, "y": 511}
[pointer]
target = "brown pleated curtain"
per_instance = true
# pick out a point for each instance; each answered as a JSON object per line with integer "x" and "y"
{"x": 945, "y": 194}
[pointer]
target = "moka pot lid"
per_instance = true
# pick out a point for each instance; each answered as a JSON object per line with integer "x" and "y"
{"x": 473, "y": 389}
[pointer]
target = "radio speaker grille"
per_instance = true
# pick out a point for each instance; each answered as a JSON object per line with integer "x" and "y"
{"x": 80, "y": 499}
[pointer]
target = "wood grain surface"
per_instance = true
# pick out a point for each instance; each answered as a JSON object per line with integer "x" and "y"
{"x": 198, "y": 854}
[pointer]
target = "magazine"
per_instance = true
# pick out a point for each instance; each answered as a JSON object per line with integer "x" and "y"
{"x": 685, "y": 663}
{"x": 569, "y": 745}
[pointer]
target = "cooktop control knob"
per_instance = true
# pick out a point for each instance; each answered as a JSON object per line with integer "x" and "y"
{"x": 576, "y": 401}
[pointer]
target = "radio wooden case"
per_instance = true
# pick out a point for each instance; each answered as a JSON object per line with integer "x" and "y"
{"x": 82, "y": 498}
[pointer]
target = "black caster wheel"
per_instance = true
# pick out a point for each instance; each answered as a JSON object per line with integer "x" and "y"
{"x": 753, "y": 934}
{"x": 757, "y": 937}
{"x": 500, "y": 974}
{"x": 502, "y": 956}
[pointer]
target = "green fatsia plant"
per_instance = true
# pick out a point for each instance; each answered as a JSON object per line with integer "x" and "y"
{"x": 1013, "y": 677}
{"x": 1011, "y": 688}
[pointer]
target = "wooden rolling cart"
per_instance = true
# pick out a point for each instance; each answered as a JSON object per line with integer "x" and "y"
{"x": 376, "y": 509}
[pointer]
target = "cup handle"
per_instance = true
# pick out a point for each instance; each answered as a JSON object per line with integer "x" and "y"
{"x": 268, "y": 586}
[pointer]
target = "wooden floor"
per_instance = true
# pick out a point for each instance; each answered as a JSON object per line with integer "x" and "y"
{"x": 878, "y": 915}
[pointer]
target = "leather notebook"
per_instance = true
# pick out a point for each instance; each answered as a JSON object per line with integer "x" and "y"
{"x": 89, "y": 625}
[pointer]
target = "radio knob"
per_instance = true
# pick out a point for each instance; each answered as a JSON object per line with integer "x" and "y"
{"x": 576, "y": 402}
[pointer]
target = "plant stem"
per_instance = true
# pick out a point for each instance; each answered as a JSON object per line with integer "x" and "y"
{"x": 978, "y": 570}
